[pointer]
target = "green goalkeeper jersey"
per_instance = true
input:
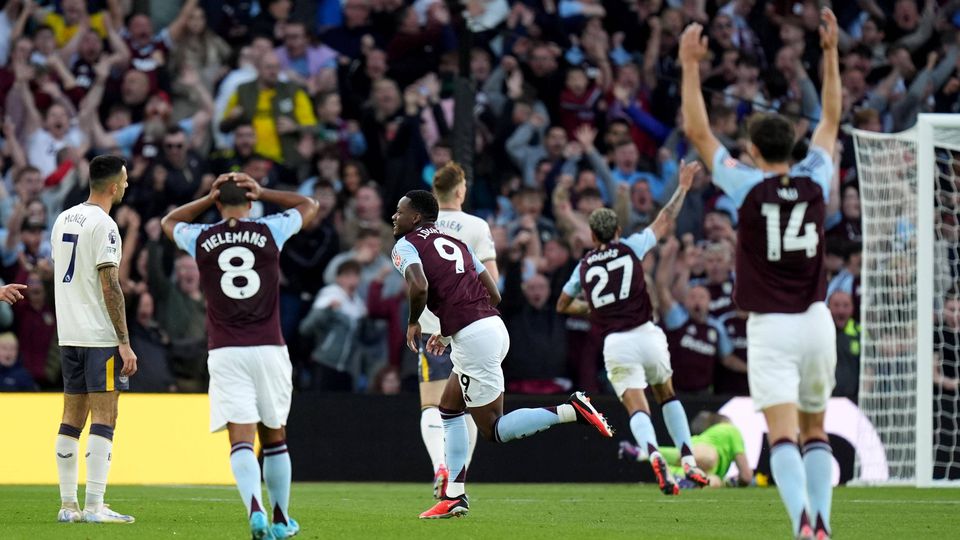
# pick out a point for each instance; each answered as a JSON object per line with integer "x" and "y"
{"x": 728, "y": 442}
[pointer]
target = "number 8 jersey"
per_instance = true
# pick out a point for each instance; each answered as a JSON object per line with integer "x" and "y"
{"x": 613, "y": 282}
{"x": 239, "y": 262}
{"x": 780, "y": 242}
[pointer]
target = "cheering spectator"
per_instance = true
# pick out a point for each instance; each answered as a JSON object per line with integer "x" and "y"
{"x": 13, "y": 376}
{"x": 848, "y": 345}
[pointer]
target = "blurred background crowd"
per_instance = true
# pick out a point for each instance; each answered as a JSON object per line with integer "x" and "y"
{"x": 351, "y": 101}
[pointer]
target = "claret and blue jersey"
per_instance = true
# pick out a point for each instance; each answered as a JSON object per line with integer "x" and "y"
{"x": 239, "y": 262}
{"x": 780, "y": 233}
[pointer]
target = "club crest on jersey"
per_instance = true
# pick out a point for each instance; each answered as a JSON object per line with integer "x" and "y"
{"x": 397, "y": 259}
{"x": 112, "y": 237}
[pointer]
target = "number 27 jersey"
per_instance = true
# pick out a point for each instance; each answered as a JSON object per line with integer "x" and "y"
{"x": 239, "y": 262}
{"x": 780, "y": 241}
{"x": 613, "y": 280}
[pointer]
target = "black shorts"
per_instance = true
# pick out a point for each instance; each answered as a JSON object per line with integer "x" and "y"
{"x": 92, "y": 369}
{"x": 435, "y": 368}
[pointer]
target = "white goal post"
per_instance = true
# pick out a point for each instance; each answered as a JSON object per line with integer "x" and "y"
{"x": 909, "y": 192}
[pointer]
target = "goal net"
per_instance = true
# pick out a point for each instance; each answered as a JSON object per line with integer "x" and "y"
{"x": 910, "y": 203}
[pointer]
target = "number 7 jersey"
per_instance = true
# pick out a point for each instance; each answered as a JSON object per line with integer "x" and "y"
{"x": 239, "y": 262}
{"x": 780, "y": 243}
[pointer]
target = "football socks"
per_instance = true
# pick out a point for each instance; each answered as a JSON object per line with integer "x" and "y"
{"x": 246, "y": 472}
{"x": 276, "y": 474}
{"x": 818, "y": 462}
{"x": 642, "y": 429}
{"x": 790, "y": 476}
{"x": 99, "y": 445}
{"x": 676, "y": 420}
{"x": 472, "y": 432}
{"x": 525, "y": 422}
{"x": 68, "y": 449}
{"x": 431, "y": 429}
{"x": 455, "y": 443}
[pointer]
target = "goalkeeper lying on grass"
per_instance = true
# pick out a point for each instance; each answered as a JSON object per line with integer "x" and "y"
{"x": 717, "y": 446}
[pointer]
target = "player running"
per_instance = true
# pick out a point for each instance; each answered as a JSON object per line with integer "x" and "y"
{"x": 780, "y": 276}
{"x": 443, "y": 273}
{"x": 450, "y": 188}
{"x": 634, "y": 348}
{"x": 251, "y": 379}
{"x": 92, "y": 329}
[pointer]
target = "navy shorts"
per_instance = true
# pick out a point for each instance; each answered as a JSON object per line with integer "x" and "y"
{"x": 433, "y": 367}
{"x": 92, "y": 369}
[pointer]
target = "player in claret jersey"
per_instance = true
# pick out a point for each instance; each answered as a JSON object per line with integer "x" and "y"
{"x": 251, "y": 379}
{"x": 634, "y": 349}
{"x": 780, "y": 276}
{"x": 445, "y": 275}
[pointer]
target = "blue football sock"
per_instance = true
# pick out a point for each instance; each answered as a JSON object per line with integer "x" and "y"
{"x": 642, "y": 428}
{"x": 246, "y": 472}
{"x": 276, "y": 474}
{"x": 524, "y": 422}
{"x": 790, "y": 476}
{"x": 818, "y": 462}
{"x": 456, "y": 442}
{"x": 676, "y": 419}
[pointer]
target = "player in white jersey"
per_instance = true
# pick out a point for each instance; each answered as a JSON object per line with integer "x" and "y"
{"x": 96, "y": 357}
{"x": 450, "y": 188}
{"x": 780, "y": 276}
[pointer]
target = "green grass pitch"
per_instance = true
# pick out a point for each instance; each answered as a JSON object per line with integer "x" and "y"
{"x": 498, "y": 511}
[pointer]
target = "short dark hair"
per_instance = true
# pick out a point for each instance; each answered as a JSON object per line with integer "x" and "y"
{"x": 773, "y": 136}
{"x": 589, "y": 192}
{"x": 367, "y": 232}
{"x": 348, "y": 266}
{"x": 104, "y": 170}
{"x": 424, "y": 203}
{"x": 231, "y": 194}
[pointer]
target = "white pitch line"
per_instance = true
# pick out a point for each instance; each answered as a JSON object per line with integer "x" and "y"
{"x": 897, "y": 501}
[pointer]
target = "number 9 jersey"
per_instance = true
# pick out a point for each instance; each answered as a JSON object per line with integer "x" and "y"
{"x": 780, "y": 234}
{"x": 239, "y": 262}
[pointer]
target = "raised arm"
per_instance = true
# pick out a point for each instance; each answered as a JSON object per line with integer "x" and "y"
{"x": 696, "y": 124}
{"x": 179, "y": 25}
{"x": 664, "y": 274}
{"x": 664, "y": 222}
{"x": 825, "y": 135}
{"x": 22, "y": 87}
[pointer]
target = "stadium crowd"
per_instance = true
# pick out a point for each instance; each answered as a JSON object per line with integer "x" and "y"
{"x": 351, "y": 102}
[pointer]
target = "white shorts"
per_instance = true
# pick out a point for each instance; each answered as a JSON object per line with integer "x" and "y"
{"x": 478, "y": 349}
{"x": 249, "y": 385}
{"x": 637, "y": 357}
{"x": 792, "y": 358}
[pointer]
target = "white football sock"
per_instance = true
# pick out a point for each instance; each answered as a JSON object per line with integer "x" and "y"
{"x": 431, "y": 429}
{"x": 472, "y": 433}
{"x": 68, "y": 461}
{"x": 246, "y": 472}
{"x": 99, "y": 446}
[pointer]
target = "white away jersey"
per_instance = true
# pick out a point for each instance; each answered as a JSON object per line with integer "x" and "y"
{"x": 84, "y": 239}
{"x": 472, "y": 231}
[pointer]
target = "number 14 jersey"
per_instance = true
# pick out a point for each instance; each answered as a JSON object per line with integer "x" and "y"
{"x": 780, "y": 234}
{"x": 239, "y": 262}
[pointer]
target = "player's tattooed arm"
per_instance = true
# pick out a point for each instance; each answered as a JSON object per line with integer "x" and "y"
{"x": 113, "y": 298}
{"x": 668, "y": 215}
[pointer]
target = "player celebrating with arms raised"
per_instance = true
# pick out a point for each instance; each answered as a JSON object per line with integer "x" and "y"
{"x": 251, "y": 379}
{"x": 92, "y": 328}
{"x": 634, "y": 349}
{"x": 445, "y": 275}
{"x": 780, "y": 276}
